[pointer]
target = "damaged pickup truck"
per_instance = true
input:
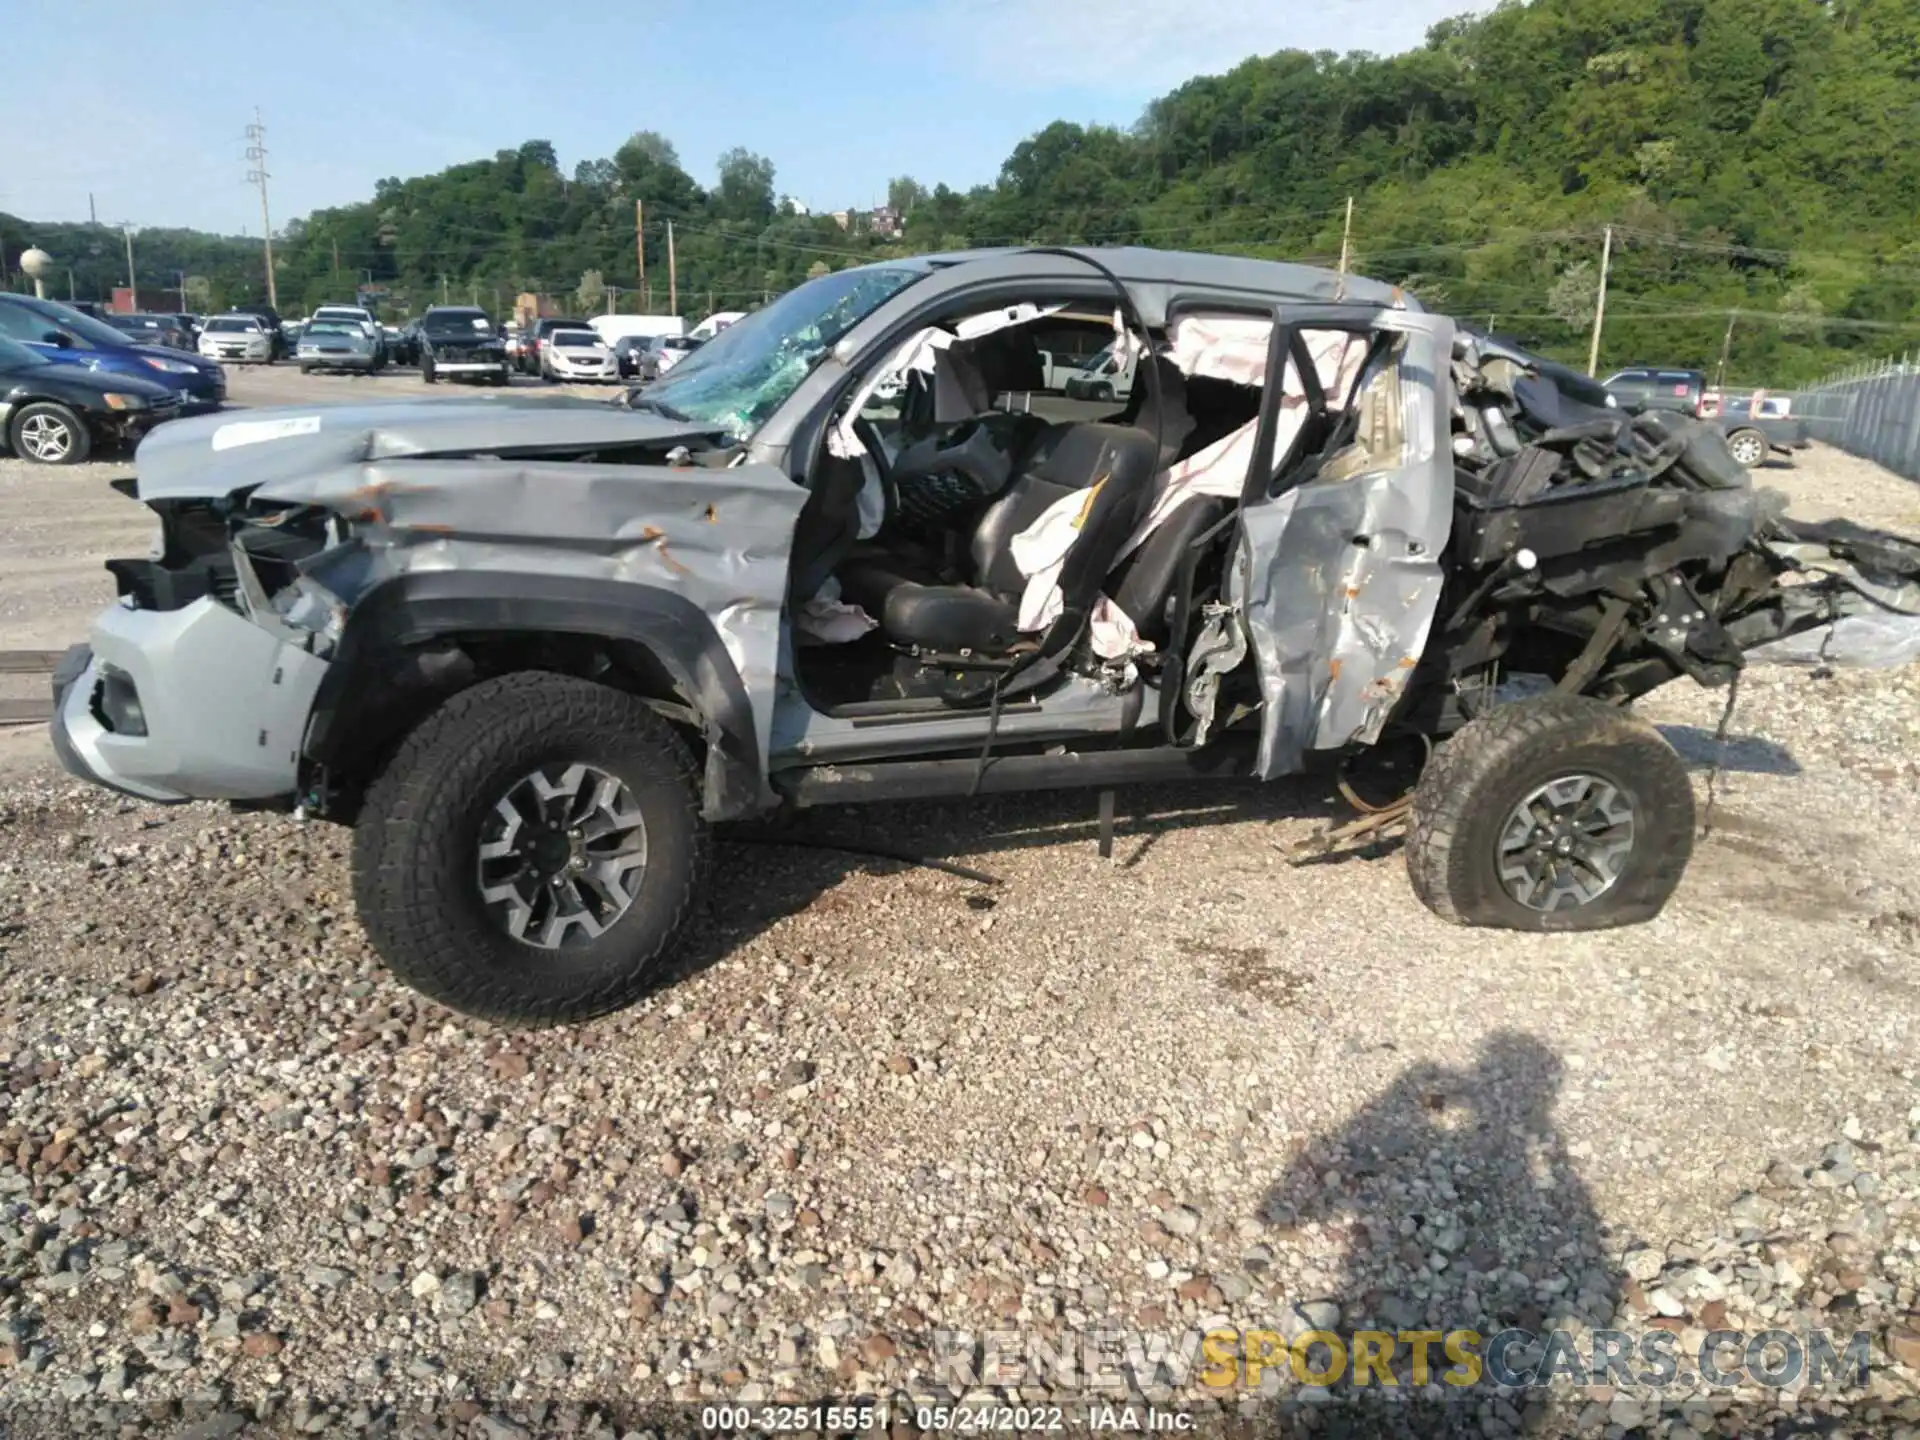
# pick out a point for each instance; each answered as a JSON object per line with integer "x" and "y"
{"x": 532, "y": 648}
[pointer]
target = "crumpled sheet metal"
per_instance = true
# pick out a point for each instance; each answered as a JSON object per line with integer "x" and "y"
{"x": 1876, "y": 624}
{"x": 718, "y": 538}
{"x": 1870, "y": 639}
{"x": 1338, "y": 626}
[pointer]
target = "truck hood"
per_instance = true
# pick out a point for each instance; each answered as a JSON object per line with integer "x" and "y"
{"x": 210, "y": 456}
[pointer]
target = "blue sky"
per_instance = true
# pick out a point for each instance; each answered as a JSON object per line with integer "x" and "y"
{"x": 148, "y": 113}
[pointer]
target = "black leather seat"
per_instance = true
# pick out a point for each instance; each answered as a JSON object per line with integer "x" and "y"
{"x": 1143, "y": 582}
{"x": 1115, "y": 462}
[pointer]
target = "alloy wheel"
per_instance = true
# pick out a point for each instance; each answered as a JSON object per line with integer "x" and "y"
{"x": 562, "y": 854}
{"x": 46, "y": 438}
{"x": 1567, "y": 843}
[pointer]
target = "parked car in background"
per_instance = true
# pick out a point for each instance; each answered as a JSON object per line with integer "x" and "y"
{"x": 636, "y": 358}
{"x": 163, "y": 330}
{"x": 67, "y": 337}
{"x": 357, "y": 315}
{"x": 1643, "y": 387}
{"x": 530, "y": 357}
{"x": 577, "y": 355}
{"x": 403, "y": 343}
{"x": 338, "y": 345}
{"x": 269, "y": 319}
{"x": 1759, "y": 425}
{"x": 57, "y": 414}
{"x": 459, "y": 342}
{"x": 237, "y": 337}
{"x": 670, "y": 350}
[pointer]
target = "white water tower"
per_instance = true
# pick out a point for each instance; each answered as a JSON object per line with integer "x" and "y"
{"x": 38, "y": 264}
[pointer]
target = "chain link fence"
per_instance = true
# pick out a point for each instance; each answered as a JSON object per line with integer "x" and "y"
{"x": 1872, "y": 411}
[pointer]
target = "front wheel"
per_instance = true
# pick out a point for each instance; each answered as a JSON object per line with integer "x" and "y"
{"x": 427, "y": 372}
{"x": 1548, "y": 814}
{"x": 1748, "y": 447}
{"x": 530, "y": 853}
{"x": 49, "y": 434}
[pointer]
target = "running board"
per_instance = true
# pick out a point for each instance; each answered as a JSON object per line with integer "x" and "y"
{"x": 1225, "y": 759}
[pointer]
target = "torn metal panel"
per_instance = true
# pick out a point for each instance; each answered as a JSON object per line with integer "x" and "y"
{"x": 717, "y": 540}
{"x": 1339, "y": 577}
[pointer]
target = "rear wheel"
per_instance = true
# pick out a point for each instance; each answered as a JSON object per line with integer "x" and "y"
{"x": 1554, "y": 813}
{"x": 427, "y": 372}
{"x": 49, "y": 434}
{"x": 531, "y": 851}
{"x": 1748, "y": 447}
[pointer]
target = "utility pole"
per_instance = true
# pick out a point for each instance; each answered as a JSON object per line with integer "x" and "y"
{"x": 257, "y": 154}
{"x": 336, "y": 257}
{"x": 1346, "y": 239}
{"x": 133, "y": 284}
{"x": 93, "y": 216}
{"x": 443, "y": 288}
{"x": 1600, "y": 305}
{"x": 1726, "y": 347}
{"x": 673, "y": 276}
{"x": 640, "y": 249}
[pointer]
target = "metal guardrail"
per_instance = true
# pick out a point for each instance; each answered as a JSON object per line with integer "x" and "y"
{"x": 27, "y": 662}
{"x": 1872, "y": 412}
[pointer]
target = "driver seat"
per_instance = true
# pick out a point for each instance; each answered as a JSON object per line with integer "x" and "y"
{"x": 1115, "y": 463}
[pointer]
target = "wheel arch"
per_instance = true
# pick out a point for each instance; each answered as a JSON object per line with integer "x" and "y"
{"x": 417, "y": 639}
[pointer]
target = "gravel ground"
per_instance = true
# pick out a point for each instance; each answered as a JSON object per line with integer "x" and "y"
{"x": 242, "y": 1170}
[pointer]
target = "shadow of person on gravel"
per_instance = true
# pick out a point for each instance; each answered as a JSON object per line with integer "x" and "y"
{"x": 1459, "y": 1209}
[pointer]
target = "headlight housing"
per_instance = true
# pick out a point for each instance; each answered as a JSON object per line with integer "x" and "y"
{"x": 116, "y": 401}
{"x": 171, "y": 367}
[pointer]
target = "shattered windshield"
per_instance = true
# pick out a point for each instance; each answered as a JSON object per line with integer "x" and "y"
{"x": 747, "y": 371}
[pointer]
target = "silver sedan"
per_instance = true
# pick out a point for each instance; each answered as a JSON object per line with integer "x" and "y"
{"x": 338, "y": 345}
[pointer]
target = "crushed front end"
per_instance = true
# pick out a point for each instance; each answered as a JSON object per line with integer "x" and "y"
{"x": 198, "y": 683}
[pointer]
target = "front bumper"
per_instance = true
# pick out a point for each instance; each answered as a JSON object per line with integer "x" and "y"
{"x": 225, "y": 704}
{"x": 336, "y": 361}
{"x": 469, "y": 367}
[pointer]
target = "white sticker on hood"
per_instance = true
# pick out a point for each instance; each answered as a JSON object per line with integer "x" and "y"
{"x": 255, "y": 432}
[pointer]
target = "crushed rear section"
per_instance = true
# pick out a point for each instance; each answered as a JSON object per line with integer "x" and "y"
{"x": 1600, "y": 553}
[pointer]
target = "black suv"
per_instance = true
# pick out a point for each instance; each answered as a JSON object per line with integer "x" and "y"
{"x": 459, "y": 342}
{"x": 1642, "y": 387}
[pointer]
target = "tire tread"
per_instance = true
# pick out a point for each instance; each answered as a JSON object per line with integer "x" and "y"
{"x": 417, "y": 795}
{"x": 1453, "y": 790}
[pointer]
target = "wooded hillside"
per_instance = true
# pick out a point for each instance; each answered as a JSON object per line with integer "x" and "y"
{"x": 1752, "y": 156}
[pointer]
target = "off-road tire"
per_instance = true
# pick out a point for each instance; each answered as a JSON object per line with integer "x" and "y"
{"x": 44, "y": 415}
{"x": 415, "y": 843}
{"x": 306, "y": 369}
{"x": 1752, "y": 442}
{"x": 428, "y": 373}
{"x": 1473, "y": 783}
